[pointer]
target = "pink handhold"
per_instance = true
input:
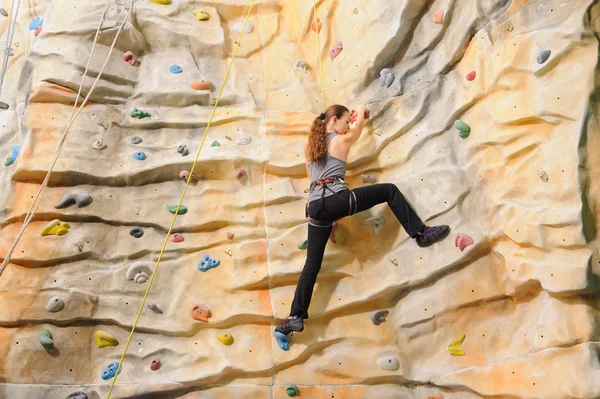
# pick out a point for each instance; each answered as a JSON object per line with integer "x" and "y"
{"x": 438, "y": 17}
{"x": 471, "y": 76}
{"x": 37, "y": 30}
{"x": 240, "y": 173}
{"x": 318, "y": 26}
{"x": 332, "y": 235}
{"x": 155, "y": 365}
{"x": 462, "y": 241}
{"x": 177, "y": 237}
{"x": 339, "y": 46}
{"x": 184, "y": 174}
{"x": 201, "y": 84}
{"x": 230, "y": 236}
{"x": 129, "y": 58}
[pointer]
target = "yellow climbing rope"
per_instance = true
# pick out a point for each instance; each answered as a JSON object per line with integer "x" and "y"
{"x": 180, "y": 201}
{"x": 319, "y": 53}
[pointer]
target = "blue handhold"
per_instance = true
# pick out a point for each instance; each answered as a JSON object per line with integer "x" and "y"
{"x": 282, "y": 340}
{"x": 207, "y": 263}
{"x": 175, "y": 69}
{"x": 37, "y": 21}
{"x": 15, "y": 152}
{"x": 111, "y": 370}
{"x": 139, "y": 155}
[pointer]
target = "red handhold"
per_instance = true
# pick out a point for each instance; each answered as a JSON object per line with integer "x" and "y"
{"x": 332, "y": 235}
{"x": 438, "y": 17}
{"x": 318, "y": 27}
{"x": 230, "y": 236}
{"x": 240, "y": 173}
{"x": 37, "y": 30}
{"x": 354, "y": 115}
{"x": 462, "y": 241}
{"x": 177, "y": 237}
{"x": 129, "y": 58}
{"x": 471, "y": 76}
{"x": 155, "y": 365}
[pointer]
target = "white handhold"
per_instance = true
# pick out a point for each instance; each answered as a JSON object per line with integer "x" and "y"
{"x": 376, "y": 222}
{"x": 388, "y": 363}
{"x": 16, "y": 44}
{"x": 229, "y": 252}
{"x": 237, "y": 27}
{"x": 99, "y": 145}
{"x": 55, "y": 304}
{"x": 138, "y": 272}
{"x": 302, "y": 66}
{"x": 378, "y": 132}
{"x": 244, "y": 140}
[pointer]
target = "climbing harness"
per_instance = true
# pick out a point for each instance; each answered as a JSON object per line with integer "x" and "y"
{"x": 9, "y": 38}
{"x": 323, "y": 183}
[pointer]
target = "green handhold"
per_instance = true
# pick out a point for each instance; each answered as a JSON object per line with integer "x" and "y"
{"x": 303, "y": 245}
{"x": 173, "y": 209}
{"x": 8, "y": 162}
{"x": 215, "y": 144}
{"x": 460, "y": 125}
{"x": 292, "y": 390}
{"x": 138, "y": 113}
{"x": 463, "y": 134}
{"x": 46, "y": 340}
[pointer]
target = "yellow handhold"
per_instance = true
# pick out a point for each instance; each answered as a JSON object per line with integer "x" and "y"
{"x": 454, "y": 349}
{"x": 105, "y": 339}
{"x": 226, "y": 339}
{"x": 201, "y": 15}
{"x": 162, "y": 1}
{"x": 55, "y": 227}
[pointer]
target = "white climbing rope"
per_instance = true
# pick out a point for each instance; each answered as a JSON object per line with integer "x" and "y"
{"x": 9, "y": 38}
{"x": 38, "y": 197}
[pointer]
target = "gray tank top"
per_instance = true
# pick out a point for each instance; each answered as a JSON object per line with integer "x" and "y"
{"x": 331, "y": 167}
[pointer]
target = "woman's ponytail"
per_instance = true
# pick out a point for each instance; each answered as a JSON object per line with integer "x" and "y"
{"x": 317, "y": 140}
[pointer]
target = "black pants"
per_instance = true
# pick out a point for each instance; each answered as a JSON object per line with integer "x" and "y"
{"x": 335, "y": 208}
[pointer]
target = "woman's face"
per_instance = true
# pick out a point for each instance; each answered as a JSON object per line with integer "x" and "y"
{"x": 341, "y": 125}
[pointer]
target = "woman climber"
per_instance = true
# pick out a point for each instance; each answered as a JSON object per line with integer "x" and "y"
{"x": 330, "y": 199}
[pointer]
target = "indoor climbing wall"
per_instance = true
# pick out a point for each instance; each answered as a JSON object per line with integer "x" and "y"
{"x": 483, "y": 113}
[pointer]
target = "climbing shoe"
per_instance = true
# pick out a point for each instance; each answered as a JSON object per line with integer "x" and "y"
{"x": 291, "y": 324}
{"x": 431, "y": 235}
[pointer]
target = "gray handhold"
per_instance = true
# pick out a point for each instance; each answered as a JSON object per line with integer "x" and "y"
{"x": 238, "y": 27}
{"x": 77, "y": 395}
{"x": 379, "y": 316}
{"x": 138, "y": 272}
{"x": 79, "y": 247}
{"x": 183, "y": 150}
{"x": 136, "y": 232}
{"x": 301, "y": 66}
{"x": 386, "y": 77}
{"x": 82, "y": 199}
{"x": 9, "y": 51}
{"x": 388, "y": 363}
{"x": 543, "y": 57}
{"x": 136, "y": 140}
{"x": 3, "y": 12}
{"x": 376, "y": 222}
{"x": 244, "y": 140}
{"x": 99, "y": 145}
{"x": 154, "y": 307}
{"x": 3, "y": 105}
{"x": 55, "y": 304}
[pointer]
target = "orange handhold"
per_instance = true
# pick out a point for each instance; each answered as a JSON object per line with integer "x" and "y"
{"x": 37, "y": 30}
{"x": 201, "y": 84}
{"x": 462, "y": 241}
{"x": 438, "y": 17}
{"x": 230, "y": 236}
{"x": 200, "y": 312}
{"x": 318, "y": 27}
{"x": 436, "y": 396}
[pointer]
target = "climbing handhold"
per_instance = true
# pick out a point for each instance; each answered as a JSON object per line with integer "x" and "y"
{"x": 80, "y": 200}
{"x": 155, "y": 364}
{"x": 354, "y": 115}
{"x": 436, "y": 396}
{"x": 13, "y": 155}
{"x": 226, "y": 339}
{"x": 463, "y": 129}
{"x": 173, "y": 209}
{"x": 376, "y": 222}
{"x": 240, "y": 173}
{"x": 104, "y": 125}
{"x": 3, "y": 12}
{"x": 462, "y": 241}
{"x": 388, "y": 363}
{"x": 334, "y": 226}
{"x": 77, "y": 395}
{"x": 138, "y": 272}
{"x": 244, "y": 140}
{"x": 337, "y": 49}
{"x": 291, "y": 390}
{"x": 368, "y": 179}
{"x": 227, "y": 137}
{"x": 136, "y": 140}
{"x": 139, "y": 155}
{"x": 138, "y": 113}
{"x": 454, "y": 349}
{"x": 207, "y": 263}
{"x": 200, "y": 312}
{"x": 229, "y": 252}
{"x": 155, "y": 308}
{"x": 543, "y": 56}
{"x": 184, "y": 174}
{"x": 55, "y": 304}
{"x": 136, "y": 232}
{"x": 394, "y": 261}
{"x": 230, "y": 236}
{"x": 386, "y": 77}
{"x": 438, "y": 17}
{"x": 303, "y": 245}
{"x": 317, "y": 27}
{"x": 111, "y": 370}
{"x": 55, "y": 227}
{"x": 129, "y": 58}
{"x": 175, "y": 69}
{"x": 37, "y": 21}
{"x": 99, "y": 145}
{"x": 282, "y": 340}
{"x": 104, "y": 339}
{"x": 47, "y": 340}
{"x": 543, "y": 176}
{"x": 471, "y": 76}
{"x": 37, "y": 31}
{"x": 201, "y": 15}
{"x": 183, "y": 150}
{"x": 355, "y": 11}
{"x": 378, "y": 316}
{"x": 164, "y": 2}
{"x": 301, "y": 66}
{"x": 177, "y": 237}
{"x": 202, "y": 84}
{"x": 237, "y": 27}
{"x": 215, "y": 144}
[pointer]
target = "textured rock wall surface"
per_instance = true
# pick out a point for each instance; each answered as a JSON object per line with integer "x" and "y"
{"x": 524, "y": 185}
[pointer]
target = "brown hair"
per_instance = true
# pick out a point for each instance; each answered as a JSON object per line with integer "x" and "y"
{"x": 317, "y": 140}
